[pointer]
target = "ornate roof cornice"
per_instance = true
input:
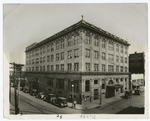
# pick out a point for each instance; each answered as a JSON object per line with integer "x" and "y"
{"x": 80, "y": 24}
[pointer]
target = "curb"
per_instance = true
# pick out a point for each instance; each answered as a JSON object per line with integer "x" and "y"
{"x": 84, "y": 108}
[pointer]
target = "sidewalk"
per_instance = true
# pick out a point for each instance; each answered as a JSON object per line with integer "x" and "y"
{"x": 96, "y": 103}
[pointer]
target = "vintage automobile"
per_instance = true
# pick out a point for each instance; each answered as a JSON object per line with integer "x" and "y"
{"x": 41, "y": 95}
{"x": 128, "y": 94}
{"x": 26, "y": 89}
{"x": 33, "y": 92}
{"x": 49, "y": 98}
{"x": 137, "y": 91}
{"x": 60, "y": 102}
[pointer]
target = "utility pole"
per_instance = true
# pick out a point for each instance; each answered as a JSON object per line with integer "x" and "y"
{"x": 15, "y": 86}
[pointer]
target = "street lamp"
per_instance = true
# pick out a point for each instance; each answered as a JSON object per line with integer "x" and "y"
{"x": 72, "y": 94}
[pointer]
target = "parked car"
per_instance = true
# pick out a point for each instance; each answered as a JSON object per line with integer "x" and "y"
{"x": 137, "y": 91}
{"x": 49, "y": 98}
{"x": 33, "y": 92}
{"x": 26, "y": 89}
{"x": 128, "y": 94}
{"x": 40, "y": 95}
{"x": 60, "y": 102}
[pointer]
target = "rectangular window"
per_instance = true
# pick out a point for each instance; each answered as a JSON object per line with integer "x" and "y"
{"x": 32, "y": 68}
{"x": 110, "y": 57}
{"x": 76, "y": 40}
{"x": 103, "y": 67}
{"x": 103, "y": 83}
{"x": 57, "y": 46}
{"x": 47, "y": 67}
{"x": 76, "y": 85}
{"x": 48, "y": 58}
{"x": 37, "y": 68}
{"x": 52, "y": 68}
{"x": 111, "y": 46}
{"x": 95, "y": 67}
{"x": 96, "y": 43}
{"x": 33, "y": 61}
{"x": 69, "y": 66}
{"x": 62, "y": 67}
{"x": 37, "y": 60}
{"x": 76, "y": 66}
{"x": 62, "y": 56}
{"x": 76, "y": 53}
{"x": 52, "y": 47}
{"x": 87, "y": 40}
{"x": 103, "y": 44}
{"x": 87, "y": 53}
{"x": 110, "y": 68}
{"x": 126, "y": 69}
{"x": 95, "y": 81}
{"x": 43, "y": 68}
{"x": 62, "y": 44}
{"x": 69, "y": 54}
{"x": 43, "y": 59}
{"x": 29, "y": 68}
{"x": 121, "y": 50}
{"x": 125, "y": 60}
{"x": 29, "y": 62}
{"x": 26, "y": 62}
{"x": 57, "y": 67}
{"x": 117, "y": 68}
{"x": 69, "y": 42}
{"x": 117, "y": 58}
{"x": 121, "y": 59}
{"x": 87, "y": 85}
{"x": 40, "y": 68}
{"x": 103, "y": 56}
{"x": 52, "y": 58}
{"x": 57, "y": 57}
{"x": 96, "y": 54}
{"x": 121, "y": 68}
{"x": 87, "y": 66}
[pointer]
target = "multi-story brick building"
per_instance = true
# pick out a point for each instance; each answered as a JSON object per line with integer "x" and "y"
{"x": 81, "y": 60}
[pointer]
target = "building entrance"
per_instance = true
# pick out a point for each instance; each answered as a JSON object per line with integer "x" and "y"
{"x": 95, "y": 94}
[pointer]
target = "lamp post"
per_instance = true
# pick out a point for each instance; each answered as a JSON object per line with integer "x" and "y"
{"x": 72, "y": 94}
{"x": 100, "y": 98}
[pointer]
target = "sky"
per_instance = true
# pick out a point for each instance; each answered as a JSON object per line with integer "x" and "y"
{"x": 24, "y": 24}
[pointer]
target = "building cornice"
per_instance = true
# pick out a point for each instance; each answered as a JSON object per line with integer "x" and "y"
{"x": 80, "y": 24}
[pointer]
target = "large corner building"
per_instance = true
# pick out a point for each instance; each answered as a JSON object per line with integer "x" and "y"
{"x": 80, "y": 62}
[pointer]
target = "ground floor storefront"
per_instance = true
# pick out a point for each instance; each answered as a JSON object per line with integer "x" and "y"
{"x": 82, "y": 87}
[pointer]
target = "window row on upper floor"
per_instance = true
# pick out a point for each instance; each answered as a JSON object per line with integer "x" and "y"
{"x": 70, "y": 67}
{"x": 72, "y": 41}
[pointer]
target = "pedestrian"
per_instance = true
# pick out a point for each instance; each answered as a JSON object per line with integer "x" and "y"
{"x": 75, "y": 102}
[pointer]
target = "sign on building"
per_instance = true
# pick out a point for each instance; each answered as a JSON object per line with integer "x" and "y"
{"x": 136, "y": 63}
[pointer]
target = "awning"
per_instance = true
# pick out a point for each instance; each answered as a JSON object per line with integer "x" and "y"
{"x": 115, "y": 86}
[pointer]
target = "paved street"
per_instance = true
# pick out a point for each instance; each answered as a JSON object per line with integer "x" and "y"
{"x": 31, "y": 105}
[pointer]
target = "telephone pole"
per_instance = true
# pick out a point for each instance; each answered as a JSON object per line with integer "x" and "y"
{"x": 15, "y": 85}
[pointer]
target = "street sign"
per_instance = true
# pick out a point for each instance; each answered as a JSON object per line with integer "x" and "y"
{"x": 136, "y": 63}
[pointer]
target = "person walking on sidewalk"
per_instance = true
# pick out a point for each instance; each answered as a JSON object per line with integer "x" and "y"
{"x": 75, "y": 102}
